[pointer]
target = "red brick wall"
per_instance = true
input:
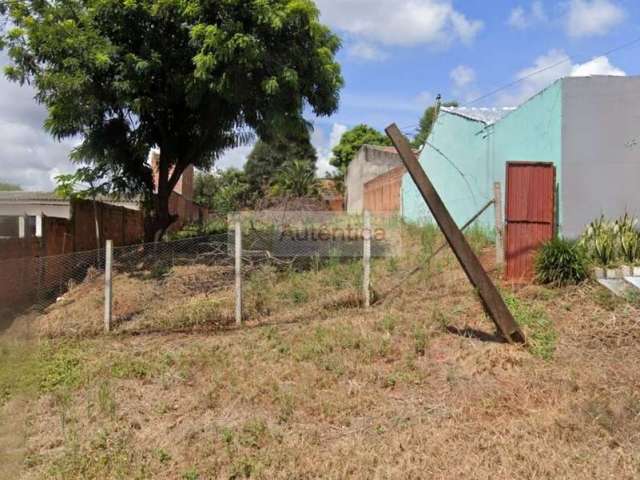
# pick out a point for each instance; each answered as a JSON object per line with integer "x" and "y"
{"x": 19, "y": 247}
{"x": 184, "y": 186}
{"x": 382, "y": 194}
{"x": 20, "y": 272}
{"x": 122, "y": 225}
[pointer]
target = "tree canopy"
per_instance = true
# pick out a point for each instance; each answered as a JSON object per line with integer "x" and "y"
{"x": 192, "y": 78}
{"x": 426, "y": 123}
{"x": 223, "y": 192}
{"x": 270, "y": 155}
{"x": 351, "y": 142}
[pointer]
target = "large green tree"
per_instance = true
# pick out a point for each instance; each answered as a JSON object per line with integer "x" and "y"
{"x": 351, "y": 142}
{"x": 271, "y": 154}
{"x": 191, "y": 77}
{"x": 426, "y": 123}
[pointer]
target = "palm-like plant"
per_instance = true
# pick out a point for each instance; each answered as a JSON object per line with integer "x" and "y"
{"x": 628, "y": 238}
{"x": 297, "y": 179}
{"x": 600, "y": 241}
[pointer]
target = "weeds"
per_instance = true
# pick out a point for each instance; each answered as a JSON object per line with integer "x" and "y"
{"x": 420, "y": 339}
{"x": 541, "y": 334}
{"x": 106, "y": 399}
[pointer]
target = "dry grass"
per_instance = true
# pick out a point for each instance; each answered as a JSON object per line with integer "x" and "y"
{"x": 334, "y": 392}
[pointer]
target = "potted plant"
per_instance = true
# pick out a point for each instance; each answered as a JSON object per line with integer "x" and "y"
{"x": 628, "y": 242}
{"x": 599, "y": 241}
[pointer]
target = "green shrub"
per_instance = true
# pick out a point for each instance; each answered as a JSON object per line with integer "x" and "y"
{"x": 609, "y": 243}
{"x": 194, "y": 230}
{"x": 628, "y": 239}
{"x": 561, "y": 262}
{"x": 599, "y": 240}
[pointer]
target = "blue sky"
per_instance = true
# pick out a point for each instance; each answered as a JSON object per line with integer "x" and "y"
{"x": 396, "y": 56}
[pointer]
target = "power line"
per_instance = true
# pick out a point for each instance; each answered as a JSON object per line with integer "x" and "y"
{"x": 539, "y": 71}
{"x": 549, "y": 67}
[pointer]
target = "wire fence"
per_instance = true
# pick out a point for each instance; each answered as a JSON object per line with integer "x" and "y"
{"x": 191, "y": 283}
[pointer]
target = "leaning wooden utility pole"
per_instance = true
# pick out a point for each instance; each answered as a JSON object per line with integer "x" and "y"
{"x": 491, "y": 298}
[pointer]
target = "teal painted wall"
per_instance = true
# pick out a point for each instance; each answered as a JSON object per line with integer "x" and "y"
{"x": 532, "y": 133}
{"x": 477, "y": 156}
{"x": 458, "y": 165}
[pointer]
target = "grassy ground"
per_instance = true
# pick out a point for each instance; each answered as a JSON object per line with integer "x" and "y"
{"x": 315, "y": 387}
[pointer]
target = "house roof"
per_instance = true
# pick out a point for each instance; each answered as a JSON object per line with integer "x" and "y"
{"x": 30, "y": 197}
{"x": 51, "y": 197}
{"x": 488, "y": 115}
{"x": 386, "y": 149}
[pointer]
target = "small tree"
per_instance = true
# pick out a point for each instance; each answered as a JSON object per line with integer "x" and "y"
{"x": 222, "y": 192}
{"x": 351, "y": 142}
{"x": 426, "y": 123}
{"x": 271, "y": 154}
{"x": 296, "y": 179}
{"x": 193, "y": 78}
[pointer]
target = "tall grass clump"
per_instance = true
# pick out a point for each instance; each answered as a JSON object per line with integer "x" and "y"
{"x": 561, "y": 262}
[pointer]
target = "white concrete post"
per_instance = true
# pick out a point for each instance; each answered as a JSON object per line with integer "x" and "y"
{"x": 22, "y": 225}
{"x": 366, "y": 260}
{"x": 238, "y": 258}
{"x": 497, "y": 192}
{"x": 107, "y": 286}
{"x": 39, "y": 225}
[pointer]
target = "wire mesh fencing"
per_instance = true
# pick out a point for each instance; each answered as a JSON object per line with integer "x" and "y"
{"x": 284, "y": 272}
{"x": 33, "y": 283}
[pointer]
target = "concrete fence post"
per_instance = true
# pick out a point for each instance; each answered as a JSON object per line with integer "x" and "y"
{"x": 108, "y": 286}
{"x": 366, "y": 260}
{"x": 497, "y": 192}
{"x": 238, "y": 269}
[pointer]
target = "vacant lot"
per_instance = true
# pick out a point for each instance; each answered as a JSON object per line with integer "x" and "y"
{"x": 315, "y": 387}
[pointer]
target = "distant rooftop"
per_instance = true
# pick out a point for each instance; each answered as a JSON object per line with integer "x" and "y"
{"x": 52, "y": 197}
{"x": 30, "y": 197}
{"x": 386, "y": 149}
{"x": 488, "y": 116}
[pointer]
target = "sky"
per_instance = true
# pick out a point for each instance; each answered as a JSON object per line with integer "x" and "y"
{"x": 396, "y": 56}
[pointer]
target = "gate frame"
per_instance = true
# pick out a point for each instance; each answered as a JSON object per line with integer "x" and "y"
{"x": 554, "y": 221}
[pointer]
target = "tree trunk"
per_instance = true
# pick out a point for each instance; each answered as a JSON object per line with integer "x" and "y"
{"x": 166, "y": 183}
{"x": 163, "y": 219}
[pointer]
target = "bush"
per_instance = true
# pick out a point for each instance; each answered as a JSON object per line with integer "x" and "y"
{"x": 610, "y": 243}
{"x": 561, "y": 262}
{"x": 193, "y": 230}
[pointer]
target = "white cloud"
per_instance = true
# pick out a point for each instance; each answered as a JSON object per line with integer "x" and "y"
{"x": 30, "y": 157}
{"x": 234, "y": 158}
{"x": 592, "y": 17}
{"x": 462, "y": 76}
{"x": 324, "y": 144}
{"x": 522, "y": 19}
{"x": 548, "y": 68}
{"x": 367, "y": 51}
{"x": 400, "y": 23}
{"x": 464, "y": 84}
{"x": 597, "y": 66}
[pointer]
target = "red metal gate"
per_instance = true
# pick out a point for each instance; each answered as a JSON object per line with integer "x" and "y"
{"x": 530, "y": 216}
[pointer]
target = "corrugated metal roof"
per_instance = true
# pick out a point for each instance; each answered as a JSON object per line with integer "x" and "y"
{"x": 488, "y": 115}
